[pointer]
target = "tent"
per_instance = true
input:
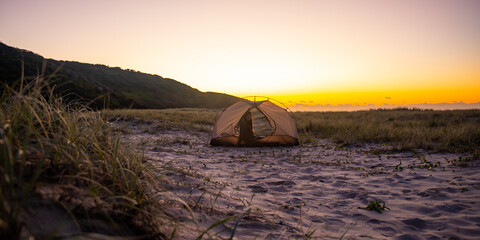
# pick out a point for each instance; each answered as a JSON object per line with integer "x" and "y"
{"x": 266, "y": 124}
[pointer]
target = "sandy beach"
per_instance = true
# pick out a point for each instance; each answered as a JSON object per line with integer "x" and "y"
{"x": 318, "y": 190}
{"x": 108, "y": 109}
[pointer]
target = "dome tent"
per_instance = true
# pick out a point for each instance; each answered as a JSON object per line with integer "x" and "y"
{"x": 282, "y": 131}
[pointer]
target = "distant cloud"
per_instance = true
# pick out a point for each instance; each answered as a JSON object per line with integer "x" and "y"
{"x": 350, "y": 107}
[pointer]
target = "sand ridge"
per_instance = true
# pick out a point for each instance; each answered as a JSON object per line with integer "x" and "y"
{"x": 317, "y": 190}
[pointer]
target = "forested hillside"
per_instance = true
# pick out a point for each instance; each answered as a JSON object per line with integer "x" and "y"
{"x": 103, "y": 86}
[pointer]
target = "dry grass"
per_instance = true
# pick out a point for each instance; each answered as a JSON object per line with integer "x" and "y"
{"x": 455, "y": 131}
{"x": 182, "y": 118}
{"x": 46, "y": 142}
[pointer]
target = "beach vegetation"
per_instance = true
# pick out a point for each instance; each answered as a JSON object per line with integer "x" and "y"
{"x": 377, "y": 205}
{"x": 64, "y": 152}
{"x": 189, "y": 119}
{"x": 401, "y": 129}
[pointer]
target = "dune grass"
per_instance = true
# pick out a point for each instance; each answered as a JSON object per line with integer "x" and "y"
{"x": 403, "y": 129}
{"x": 46, "y": 142}
{"x": 189, "y": 119}
{"x": 453, "y": 131}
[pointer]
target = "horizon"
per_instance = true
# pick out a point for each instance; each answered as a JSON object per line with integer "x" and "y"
{"x": 312, "y": 55}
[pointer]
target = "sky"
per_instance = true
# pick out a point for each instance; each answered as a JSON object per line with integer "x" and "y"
{"x": 304, "y": 53}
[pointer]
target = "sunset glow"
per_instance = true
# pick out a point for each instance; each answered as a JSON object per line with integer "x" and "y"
{"x": 299, "y": 52}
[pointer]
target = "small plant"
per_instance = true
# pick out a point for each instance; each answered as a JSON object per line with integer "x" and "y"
{"x": 377, "y": 205}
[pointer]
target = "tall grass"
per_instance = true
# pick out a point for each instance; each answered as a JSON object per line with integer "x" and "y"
{"x": 456, "y": 130}
{"x": 182, "y": 118}
{"x": 45, "y": 141}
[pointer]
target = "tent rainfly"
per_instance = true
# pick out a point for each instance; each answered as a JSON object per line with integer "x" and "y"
{"x": 236, "y": 125}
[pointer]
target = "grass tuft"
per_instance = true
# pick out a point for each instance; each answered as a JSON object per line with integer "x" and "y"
{"x": 377, "y": 205}
{"x": 45, "y": 141}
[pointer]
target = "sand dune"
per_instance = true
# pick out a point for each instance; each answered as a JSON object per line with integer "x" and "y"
{"x": 319, "y": 190}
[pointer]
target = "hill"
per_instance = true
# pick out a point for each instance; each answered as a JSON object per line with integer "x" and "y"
{"x": 104, "y": 86}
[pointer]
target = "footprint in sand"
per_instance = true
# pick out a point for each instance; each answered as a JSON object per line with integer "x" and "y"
{"x": 258, "y": 189}
{"x": 282, "y": 183}
{"x": 416, "y": 222}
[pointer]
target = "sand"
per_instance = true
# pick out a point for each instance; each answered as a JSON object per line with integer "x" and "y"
{"x": 318, "y": 190}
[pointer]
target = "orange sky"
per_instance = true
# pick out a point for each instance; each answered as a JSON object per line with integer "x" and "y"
{"x": 314, "y": 52}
